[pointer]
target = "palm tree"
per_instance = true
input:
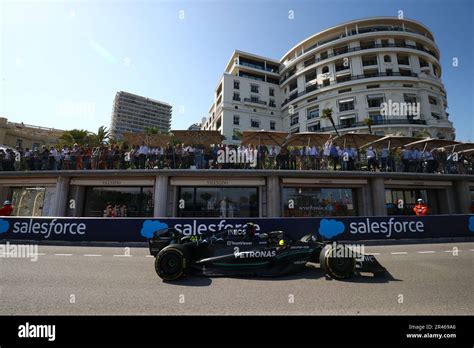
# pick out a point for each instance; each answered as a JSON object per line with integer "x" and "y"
{"x": 423, "y": 134}
{"x": 100, "y": 137}
{"x": 151, "y": 130}
{"x": 369, "y": 122}
{"x": 327, "y": 115}
{"x": 79, "y": 136}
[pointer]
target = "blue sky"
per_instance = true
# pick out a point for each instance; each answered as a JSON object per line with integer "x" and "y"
{"x": 62, "y": 62}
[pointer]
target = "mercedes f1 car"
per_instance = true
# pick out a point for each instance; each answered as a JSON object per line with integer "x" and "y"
{"x": 243, "y": 252}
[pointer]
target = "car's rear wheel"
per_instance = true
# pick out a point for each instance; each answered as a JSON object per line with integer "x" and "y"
{"x": 171, "y": 263}
{"x": 336, "y": 266}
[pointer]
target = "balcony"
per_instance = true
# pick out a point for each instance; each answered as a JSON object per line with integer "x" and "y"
{"x": 255, "y": 101}
{"x": 358, "y": 48}
{"x": 378, "y": 123}
{"x": 349, "y": 78}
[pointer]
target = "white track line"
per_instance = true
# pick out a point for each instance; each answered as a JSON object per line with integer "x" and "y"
{"x": 41, "y": 254}
{"x": 62, "y": 254}
{"x": 149, "y": 256}
{"x": 399, "y": 253}
{"x": 91, "y": 255}
{"x": 451, "y": 251}
{"x": 123, "y": 255}
{"x": 374, "y": 254}
{"x": 426, "y": 252}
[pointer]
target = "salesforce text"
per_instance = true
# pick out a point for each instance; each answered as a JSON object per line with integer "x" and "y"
{"x": 46, "y": 228}
{"x": 386, "y": 227}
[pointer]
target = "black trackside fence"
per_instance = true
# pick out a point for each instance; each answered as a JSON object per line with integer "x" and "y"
{"x": 329, "y": 228}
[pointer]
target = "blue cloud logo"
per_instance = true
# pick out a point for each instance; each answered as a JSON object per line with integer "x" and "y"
{"x": 330, "y": 228}
{"x": 151, "y": 226}
{"x": 4, "y": 226}
{"x": 471, "y": 224}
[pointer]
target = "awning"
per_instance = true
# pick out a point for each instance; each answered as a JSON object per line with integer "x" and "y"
{"x": 346, "y": 100}
{"x": 346, "y": 117}
{"x": 375, "y": 96}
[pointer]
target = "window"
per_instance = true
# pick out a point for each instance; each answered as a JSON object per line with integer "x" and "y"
{"x": 403, "y": 59}
{"x": 326, "y": 82}
{"x": 236, "y": 84}
{"x": 342, "y": 64}
{"x": 236, "y": 120}
{"x": 409, "y": 197}
{"x": 325, "y": 70}
{"x": 236, "y": 97}
{"x": 435, "y": 115}
{"x": 371, "y": 73}
{"x": 294, "y": 120}
{"x": 314, "y": 128}
{"x": 293, "y": 86}
{"x": 255, "y": 124}
{"x": 345, "y": 90}
{"x": 410, "y": 98}
{"x": 367, "y": 44}
{"x": 137, "y": 200}
{"x": 254, "y": 88}
{"x": 340, "y": 50}
{"x": 346, "y": 104}
{"x": 312, "y": 99}
{"x": 323, "y": 55}
{"x": 271, "y": 92}
{"x": 384, "y": 43}
{"x": 372, "y": 86}
{"x": 219, "y": 202}
{"x": 407, "y": 86}
{"x": 432, "y": 100}
{"x": 254, "y": 99}
{"x": 313, "y": 113}
{"x": 375, "y": 100}
{"x": 272, "y": 125}
{"x": 271, "y": 103}
{"x": 423, "y": 63}
{"x": 343, "y": 78}
{"x": 387, "y": 59}
{"x": 405, "y": 72}
{"x": 309, "y": 62}
{"x": 369, "y": 60}
{"x": 310, "y": 76}
{"x": 295, "y": 130}
{"x": 318, "y": 201}
{"x": 236, "y": 134}
{"x": 376, "y": 117}
{"x": 347, "y": 121}
{"x": 400, "y": 43}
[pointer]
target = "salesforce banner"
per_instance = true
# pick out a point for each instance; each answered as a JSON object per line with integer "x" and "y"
{"x": 330, "y": 228}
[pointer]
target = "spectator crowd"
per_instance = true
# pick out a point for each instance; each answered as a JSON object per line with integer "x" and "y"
{"x": 182, "y": 156}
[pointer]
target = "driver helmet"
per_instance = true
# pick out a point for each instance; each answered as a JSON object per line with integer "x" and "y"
{"x": 251, "y": 229}
{"x": 419, "y": 201}
{"x": 7, "y": 203}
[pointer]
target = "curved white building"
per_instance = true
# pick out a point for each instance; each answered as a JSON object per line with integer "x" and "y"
{"x": 384, "y": 69}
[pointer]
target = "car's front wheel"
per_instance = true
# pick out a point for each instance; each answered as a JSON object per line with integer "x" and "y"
{"x": 335, "y": 265}
{"x": 171, "y": 263}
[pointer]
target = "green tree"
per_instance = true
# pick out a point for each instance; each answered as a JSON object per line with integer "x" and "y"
{"x": 101, "y": 137}
{"x": 369, "y": 123}
{"x": 327, "y": 115}
{"x": 152, "y": 130}
{"x": 79, "y": 136}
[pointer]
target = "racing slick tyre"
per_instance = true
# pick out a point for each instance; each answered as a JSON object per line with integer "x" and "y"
{"x": 337, "y": 267}
{"x": 171, "y": 262}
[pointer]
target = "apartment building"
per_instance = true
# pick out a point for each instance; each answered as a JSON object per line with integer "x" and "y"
{"x": 383, "y": 69}
{"x": 133, "y": 113}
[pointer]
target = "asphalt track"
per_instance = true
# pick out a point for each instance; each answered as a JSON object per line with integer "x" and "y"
{"x": 431, "y": 279}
